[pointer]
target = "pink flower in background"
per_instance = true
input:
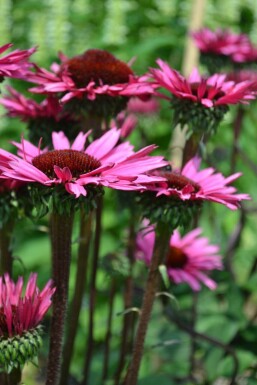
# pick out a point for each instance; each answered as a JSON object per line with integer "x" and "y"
{"x": 188, "y": 258}
{"x": 95, "y": 72}
{"x": 15, "y": 64}
{"x": 192, "y": 184}
{"x": 210, "y": 92}
{"x": 126, "y": 123}
{"x": 237, "y": 47}
{"x": 24, "y": 108}
{"x": 143, "y": 107}
{"x": 22, "y": 312}
{"x": 76, "y": 165}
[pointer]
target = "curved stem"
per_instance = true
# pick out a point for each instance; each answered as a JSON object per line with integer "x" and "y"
{"x": 152, "y": 284}
{"x": 92, "y": 299}
{"x": 6, "y": 260}
{"x": 237, "y": 128}
{"x": 82, "y": 265}
{"x": 61, "y": 232}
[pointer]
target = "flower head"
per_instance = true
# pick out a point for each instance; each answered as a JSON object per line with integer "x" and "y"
{"x": 94, "y": 74}
{"x": 20, "y": 316}
{"x": 77, "y": 165}
{"x": 15, "y": 64}
{"x": 194, "y": 185}
{"x": 222, "y": 42}
{"x": 188, "y": 260}
{"x": 198, "y": 101}
{"x": 42, "y": 118}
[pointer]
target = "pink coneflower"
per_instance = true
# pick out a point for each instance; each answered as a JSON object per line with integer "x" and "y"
{"x": 26, "y": 109}
{"x": 94, "y": 74}
{"x": 15, "y": 64}
{"x": 222, "y": 42}
{"x": 20, "y": 313}
{"x": 194, "y": 185}
{"x": 20, "y": 318}
{"x": 42, "y": 118}
{"x": 126, "y": 122}
{"x": 209, "y": 92}
{"x": 188, "y": 258}
{"x": 143, "y": 107}
{"x": 101, "y": 163}
{"x": 200, "y": 102}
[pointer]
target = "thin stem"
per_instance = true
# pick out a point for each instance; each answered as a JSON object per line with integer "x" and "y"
{"x": 6, "y": 259}
{"x": 152, "y": 284}
{"x": 228, "y": 349}
{"x": 109, "y": 330}
{"x": 92, "y": 298}
{"x": 128, "y": 297}
{"x": 237, "y": 128}
{"x": 191, "y": 148}
{"x": 82, "y": 265}
{"x": 61, "y": 232}
{"x": 193, "y": 339}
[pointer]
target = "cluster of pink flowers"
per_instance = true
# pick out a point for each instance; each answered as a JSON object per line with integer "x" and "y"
{"x": 20, "y": 313}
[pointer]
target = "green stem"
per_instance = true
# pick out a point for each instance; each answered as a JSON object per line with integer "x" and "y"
{"x": 152, "y": 284}
{"x": 108, "y": 334}
{"x": 93, "y": 290}
{"x": 13, "y": 378}
{"x": 5, "y": 248}
{"x": 82, "y": 265}
{"x": 61, "y": 232}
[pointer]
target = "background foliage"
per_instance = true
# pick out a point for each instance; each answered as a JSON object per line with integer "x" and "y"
{"x": 148, "y": 29}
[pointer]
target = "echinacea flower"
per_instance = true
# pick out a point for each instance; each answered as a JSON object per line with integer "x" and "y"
{"x": 42, "y": 118}
{"x": 198, "y": 101}
{"x": 188, "y": 259}
{"x": 177, "y": 200}
{"x": 78, "y": 166}
{"x": 143, "y": 107}
{"x": 195, "y": 185}
{"x": 20, "y": 316}
{"x": 222, "y": 42}
{"x": 14, "y": 64}
{"x": 94, "y": 75}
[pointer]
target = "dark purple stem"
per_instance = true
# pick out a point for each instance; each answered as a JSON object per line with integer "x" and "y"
{"x": 152, "y": 284}
{"x": 61, "y": 232}
{"x": 82, "y": 266}
{"x": 6, "y": 259}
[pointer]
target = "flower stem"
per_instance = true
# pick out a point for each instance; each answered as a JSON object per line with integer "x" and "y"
{"x": 152, "y": 284}
{"x": 108, "y": 330}
{"x": 237, "y": 128}
{"x": 82, "y": 265}
{"x": 92, "y": 298}
{"x": 128, "y": 298}
{"x": 12, "y": 378}
{"x": 5, "y": 248}
{"x": 61, "y": 232}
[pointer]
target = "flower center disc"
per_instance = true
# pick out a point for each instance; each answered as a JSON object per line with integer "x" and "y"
{"x": 97, "y": 65}
{"x": 78, "y": 162}
{"x": 176, "y": 259}
{"x": 178, "y": 181}
{"x": 216, "y": 93}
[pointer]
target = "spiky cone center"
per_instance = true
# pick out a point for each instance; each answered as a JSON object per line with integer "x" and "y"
{"x": 178, "y": 181}
{"x": 175, "y": 258}
{"x": 78, "y": 162}
{"x": 99, "y": 66}
{"x": 17, "y": 350}
{"x": 194, "y": 88}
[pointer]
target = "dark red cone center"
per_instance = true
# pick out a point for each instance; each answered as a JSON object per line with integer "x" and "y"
{"x": 78, "y": 162}
{"x": 179, "y": 181}
{"x": 99, "y": 66}
{"x": 214, "y": 95}
{"x": 176, "y": 259}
